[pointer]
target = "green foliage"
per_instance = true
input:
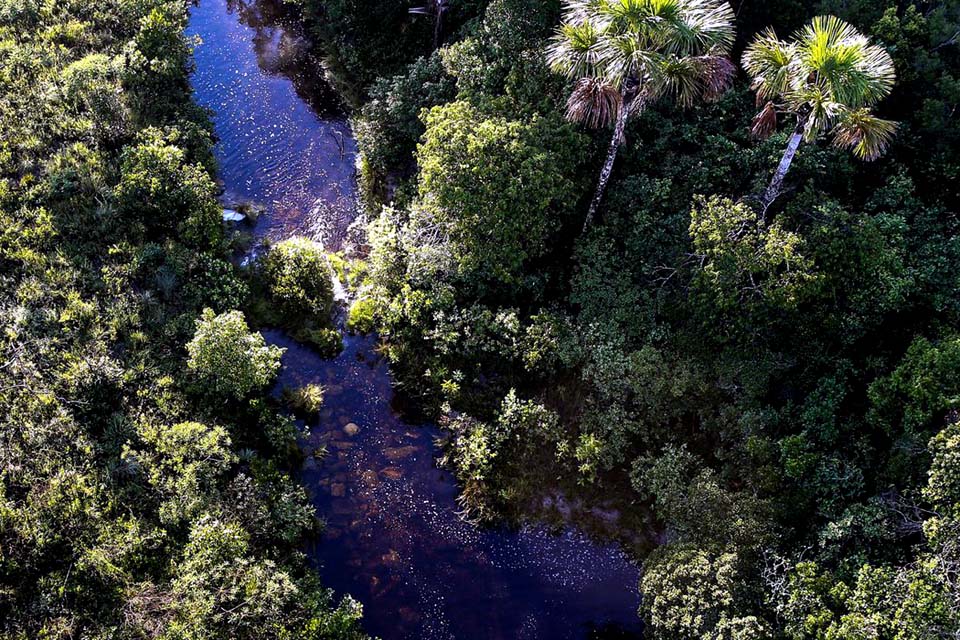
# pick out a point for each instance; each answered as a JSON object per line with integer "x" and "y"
{"x": 228, "y": 359}
{"x": 769, "y": 380}
{"x": 293, "y": 289}
{"x": 306, "y": 400}
{"x": 690, "y": 592}
{"x": 360, "y": 318}
{"x": 485, "y": 452}
{"x": 830, "y": 76}
{"x": 125, "y": 509}
{"x": 220, "y": 589}
{"x": 920, "y": 390}
{"x": 161, "y": 192}
{"x": 943, "y": 487}
{"x": 497, "y": 188}
{"x": 298, "y": 281}
{"x": 743, "y": 264}
{"x": 184, "y": 462}
{"x": 365, "y": 44}
{"x": 691, "y": 501}
{"x": 389, "y": 126}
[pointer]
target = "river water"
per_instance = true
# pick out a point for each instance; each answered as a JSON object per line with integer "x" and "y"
{"x": 394, "y": 539}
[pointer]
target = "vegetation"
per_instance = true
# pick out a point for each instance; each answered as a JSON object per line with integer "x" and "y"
{"x": 827, "y": 78}
{"x": 306, "y": 400}
{"x": 627, "y": 55}
{"x": 293, "y": 289}
{"x": 775, "y": 376}
{"x": 772, "y": 384}
{"x": 144, "y": 474}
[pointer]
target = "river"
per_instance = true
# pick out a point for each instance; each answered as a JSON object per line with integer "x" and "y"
{"x": 394, "y": 539}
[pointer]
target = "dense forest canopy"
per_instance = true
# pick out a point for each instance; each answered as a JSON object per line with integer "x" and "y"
{"x": 697, "y": 260}
{"x": 144, "y": 472}
{"x": 701, "y": 258}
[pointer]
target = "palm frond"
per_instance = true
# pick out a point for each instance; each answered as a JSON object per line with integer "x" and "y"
{"x": 629, "y": 41}
{"x": 706, "y": 26}
{"x": 856, "y": 72}
{"x": 771, "y": 63}
{"x": 578, "y": 10}
{"x": 623, "y": 57}
{"x": 866, "y": 135}
{"x": 575, "y": 49}
{"x": 765, "y": 122}
{"x": 594, "y": 103}
{"x": 823, "y": 111}
{"x": 678, "y": 78}
{"x": 716, "y": 76}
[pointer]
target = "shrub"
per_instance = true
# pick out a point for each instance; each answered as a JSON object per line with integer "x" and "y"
{"x": 297, "y": 280}
{"x": 306, "y": 400}
{"x": 361, "y": 316}
{"x": 228, "y": 358}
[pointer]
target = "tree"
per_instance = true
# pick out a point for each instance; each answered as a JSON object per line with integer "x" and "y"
{"x": 497, "y": 188}
{"x": 184, "y": 462}
{"x": 742, "y": 266}
{"x": 162, "y": 191}
{"x": 829, "y": 77}
{"x": 689, "y": 592}
{"x": 298, "y": 279}
{"x": 625, "y": 55}
{"x": 228, "y": 357}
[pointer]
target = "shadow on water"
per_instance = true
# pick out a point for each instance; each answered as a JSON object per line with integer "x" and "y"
{"x": 394, "y": 539}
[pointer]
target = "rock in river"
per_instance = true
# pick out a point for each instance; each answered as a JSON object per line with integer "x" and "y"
{"x": 391, "y": 473}
{"x": 399, "y": 453}
{"x": 351, "y": 429}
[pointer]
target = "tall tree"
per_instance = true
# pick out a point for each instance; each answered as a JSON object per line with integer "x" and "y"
{"x": 627, "y": 54}
{"x": 828, "y": 77}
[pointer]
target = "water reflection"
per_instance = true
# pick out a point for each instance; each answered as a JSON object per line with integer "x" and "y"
{"x": 394, "y": 538}
{"x": 284, "y": 141}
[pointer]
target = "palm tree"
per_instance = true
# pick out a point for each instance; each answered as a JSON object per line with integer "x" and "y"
{"x": 626, "y": 54}
{"x": 828, "y": 77}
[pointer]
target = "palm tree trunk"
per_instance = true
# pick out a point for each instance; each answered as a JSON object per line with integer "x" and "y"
{"x": 619, "y": 136}
{"x": 776, "y": 184}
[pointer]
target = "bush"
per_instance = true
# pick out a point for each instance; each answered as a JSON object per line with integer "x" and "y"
{"x": 161, "y": 191}
{"x": 499, "y": 188}
{"x": 361, "y": 316}
{"x": 297, "y": 280}
{"x": 229, "y": 359}
{"x": 306, "y": 400}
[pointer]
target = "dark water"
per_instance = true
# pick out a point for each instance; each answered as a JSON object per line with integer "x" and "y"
{"x": 394, "y": 539}
{"x": 284, "y": 139}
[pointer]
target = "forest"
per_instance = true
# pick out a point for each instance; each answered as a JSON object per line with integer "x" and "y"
{"x": 695, "y": 260}
{"x": 145, "y": 473}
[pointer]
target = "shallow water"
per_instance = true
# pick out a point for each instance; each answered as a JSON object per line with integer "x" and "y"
{"x": 394, "y": 539}
{"x": 284, "y": 139}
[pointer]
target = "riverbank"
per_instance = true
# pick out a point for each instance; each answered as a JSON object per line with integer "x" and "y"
{"x": 394, "y": 536}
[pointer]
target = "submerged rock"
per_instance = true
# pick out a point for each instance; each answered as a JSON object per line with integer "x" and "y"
{"x": 351, "y": 429}
{"x": 399, "y": 453}
{"x": 391, "y": 473}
